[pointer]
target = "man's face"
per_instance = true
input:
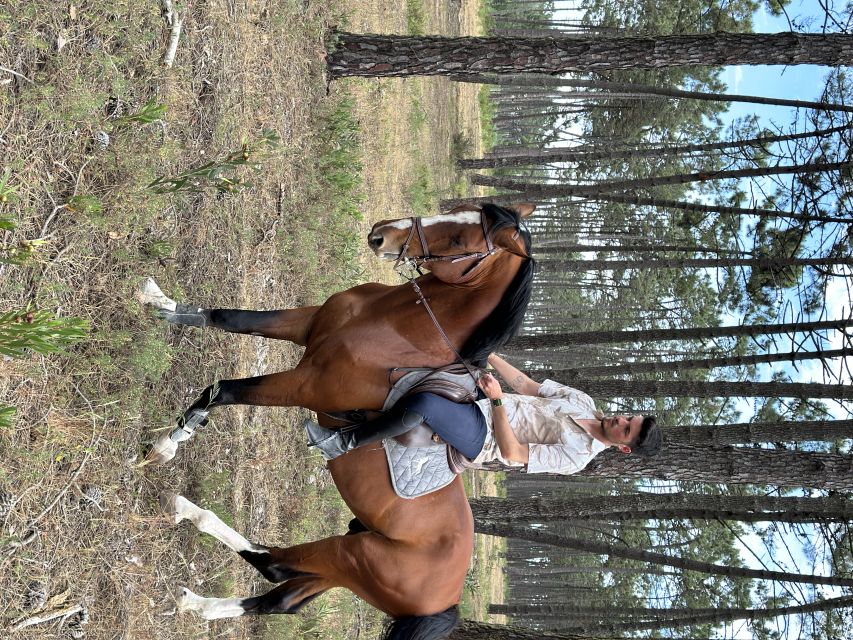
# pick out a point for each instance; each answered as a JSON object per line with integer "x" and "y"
{"x": 622, "y": 431}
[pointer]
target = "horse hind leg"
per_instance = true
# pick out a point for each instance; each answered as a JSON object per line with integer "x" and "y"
{"x": 178, "y": 508}
{"x": 282, "y": 324}
{"x": 289, "y": 597}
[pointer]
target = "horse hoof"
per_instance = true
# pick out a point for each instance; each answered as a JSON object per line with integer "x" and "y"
{"x": 185, "y": 600}
{"x": 169, "y": 507}
{"x": 162, "y": 451}
{"x": 150, "y": 294}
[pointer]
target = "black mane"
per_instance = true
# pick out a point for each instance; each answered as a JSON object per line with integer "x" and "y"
{"x": 505, "y": 320}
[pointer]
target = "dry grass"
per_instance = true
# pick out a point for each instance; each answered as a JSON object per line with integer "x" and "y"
{"x": 84, "y": 418}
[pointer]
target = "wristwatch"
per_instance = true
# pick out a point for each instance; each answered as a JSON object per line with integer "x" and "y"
{"x": 497, "y": 402}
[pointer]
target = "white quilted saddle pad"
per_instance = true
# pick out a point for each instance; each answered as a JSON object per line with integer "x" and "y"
{"x": 417, "y": 471}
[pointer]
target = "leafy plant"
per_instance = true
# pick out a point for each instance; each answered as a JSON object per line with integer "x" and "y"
{"x": 150, "y": 112}
{"x": 87, "y": 205}
{"x": 7, "y": 414}
{"x": 219, "y": 173}
{"x": 16, "y": 254}
{"x": 7, "y": 192}
{"x": 38, "y": 331}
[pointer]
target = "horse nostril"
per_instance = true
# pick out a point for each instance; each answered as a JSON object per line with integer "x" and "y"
{"x": 375, "y": 240}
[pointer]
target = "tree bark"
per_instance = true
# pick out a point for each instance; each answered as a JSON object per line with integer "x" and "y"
{"x": 648, "y": 618}
{"x": 550, "y": 340}
{"x": 612, "y": 388}
{"x": 545, "y": 190}
{"x": 729, "y": 465}
{"x": 534, "y": 156}
{"x": 633, "y": 368}
{"x": 390, "y": 55}
{"x": 642, "y": 89}
{"x": 760, "y": 432}
{"x": 620, "y": 551}
{"x": 700, "y": 263}
{"x": 647, "y": 506}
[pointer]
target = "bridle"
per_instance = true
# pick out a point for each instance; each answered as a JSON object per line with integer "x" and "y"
{"x": 427, "y": 258}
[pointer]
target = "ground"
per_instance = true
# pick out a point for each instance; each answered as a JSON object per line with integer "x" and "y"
{"x": 83, "y": 519}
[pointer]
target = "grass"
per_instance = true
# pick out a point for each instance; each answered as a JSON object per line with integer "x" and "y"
{"x": 487, "y": 113}
{"x": 416, "y": 17}
{"x": 291, "y": 238}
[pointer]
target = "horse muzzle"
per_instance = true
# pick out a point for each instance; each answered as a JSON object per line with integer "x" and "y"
{"x": 377, "y": 242}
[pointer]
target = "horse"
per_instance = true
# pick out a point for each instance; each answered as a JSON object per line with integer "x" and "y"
{"x": 407, "y": 558}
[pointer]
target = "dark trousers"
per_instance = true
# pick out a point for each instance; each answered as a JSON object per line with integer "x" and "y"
{"x": 461, "y": 425}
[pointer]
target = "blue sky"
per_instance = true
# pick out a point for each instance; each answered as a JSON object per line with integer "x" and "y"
{"x": 801, "y": 83}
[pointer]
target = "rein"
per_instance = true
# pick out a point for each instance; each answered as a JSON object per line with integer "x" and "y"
{"x": 418, "y": 261}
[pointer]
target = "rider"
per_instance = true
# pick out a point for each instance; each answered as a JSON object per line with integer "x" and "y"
{"x": 546, "y": 427}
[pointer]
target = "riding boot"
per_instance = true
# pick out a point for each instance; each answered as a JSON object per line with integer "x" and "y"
{"x": 336, "y": 442}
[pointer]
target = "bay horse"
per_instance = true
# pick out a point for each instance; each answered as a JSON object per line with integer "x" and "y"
{"x": 407, "y": 558}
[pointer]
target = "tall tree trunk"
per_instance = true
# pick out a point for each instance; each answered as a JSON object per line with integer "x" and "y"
{"x": 647, "y": 618}
{"x": 641, "y": 89}
{"x": 598, "y": 388}
{"x": 372, "y": 55}
{"x": 648, "y": 506}
{"x": 538, "y": 156}
{"x": 760, "y": 432}
{"x": 633, "y": 368}
{"x": 700, "y": 263}
{"x": 621, "y": 551}
{"x": 550, "y": 340}
{"x": 473, "y": 630}
{"x": 729, "y": 465}
{"x": 544, "y": 190}
{"x": 661, "y": 203}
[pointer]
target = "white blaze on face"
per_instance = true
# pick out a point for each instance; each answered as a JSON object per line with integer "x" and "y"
{"x": 461, "y": 217}
{"x": 404, "y": 224}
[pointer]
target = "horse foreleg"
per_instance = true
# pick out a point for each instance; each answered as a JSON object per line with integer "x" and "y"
{"x": 272, "y": 390}
{"x": 282, "y": 324}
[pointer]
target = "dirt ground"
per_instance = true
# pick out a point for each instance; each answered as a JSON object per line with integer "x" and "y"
{"x": 83, "y": 520}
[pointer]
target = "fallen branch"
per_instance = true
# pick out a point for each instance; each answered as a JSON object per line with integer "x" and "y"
{"x": 169, "y": 58}
{"x": 177, "y": 23}
{"x": 15, "y": 73}
{"x": 166, "y": 11}
{"x": 46, "y": 617}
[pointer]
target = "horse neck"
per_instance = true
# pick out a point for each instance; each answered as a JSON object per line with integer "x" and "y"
{"x": 493, "y": 273}
{"x": 462, "y": 305}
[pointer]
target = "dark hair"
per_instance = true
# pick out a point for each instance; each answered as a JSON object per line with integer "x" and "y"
{"x": 650, "y": 440}
{"x": 434, "y": 627}
{"x": 505, "y": 320}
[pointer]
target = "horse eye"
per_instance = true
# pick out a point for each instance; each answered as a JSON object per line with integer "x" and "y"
{"x": 456, "y": 241}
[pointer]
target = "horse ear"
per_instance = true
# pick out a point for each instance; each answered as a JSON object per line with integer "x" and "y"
{"x": 523, "y": 209}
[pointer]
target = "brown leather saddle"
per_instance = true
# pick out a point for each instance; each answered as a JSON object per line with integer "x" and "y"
{"x": 453, "y": 382}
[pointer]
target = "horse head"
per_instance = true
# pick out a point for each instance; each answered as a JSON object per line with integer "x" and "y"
{"x": 455, "y": 242}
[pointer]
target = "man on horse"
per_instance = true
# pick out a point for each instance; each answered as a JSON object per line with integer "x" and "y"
{"x": 547, "y": 427}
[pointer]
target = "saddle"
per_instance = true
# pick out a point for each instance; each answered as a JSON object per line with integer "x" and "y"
{"x": 419, "y": 461}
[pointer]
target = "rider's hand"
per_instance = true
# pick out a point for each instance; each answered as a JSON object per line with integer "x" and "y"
{"x": 490, "y": 386}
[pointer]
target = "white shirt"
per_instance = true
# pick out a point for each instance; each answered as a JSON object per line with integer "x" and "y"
{"x": 547, "y": 424}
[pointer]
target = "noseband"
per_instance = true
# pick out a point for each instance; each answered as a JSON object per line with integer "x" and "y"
{"x": 427, "y": 257}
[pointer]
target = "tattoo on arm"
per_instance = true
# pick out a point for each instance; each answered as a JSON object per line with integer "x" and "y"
{"x": 517, "y": 381}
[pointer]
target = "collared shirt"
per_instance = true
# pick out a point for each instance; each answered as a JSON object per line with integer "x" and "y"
{"x": 547, "y": 424}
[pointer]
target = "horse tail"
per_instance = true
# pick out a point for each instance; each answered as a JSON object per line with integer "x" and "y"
{"x": 434, "y": 627}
